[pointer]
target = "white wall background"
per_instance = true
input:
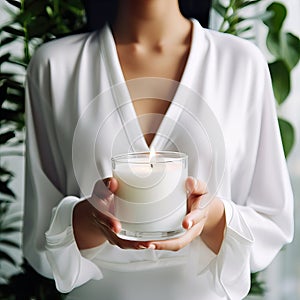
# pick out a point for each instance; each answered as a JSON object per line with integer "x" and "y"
{"x": 283, "y": 276}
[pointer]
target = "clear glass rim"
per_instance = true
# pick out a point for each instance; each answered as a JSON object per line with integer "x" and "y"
{"x": 171, "y": 156}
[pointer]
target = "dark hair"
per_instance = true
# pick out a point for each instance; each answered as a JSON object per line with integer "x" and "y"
{"x": 196, "y": 9}
{"x": 100, "y": 12}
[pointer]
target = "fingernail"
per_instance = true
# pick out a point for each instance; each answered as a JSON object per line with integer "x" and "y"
{"x": 195, "y": 182}
{"x": 190, "y": 224}
{"x": 190, "y": 186}
{"x": 142, "y": 247}
{"x": 151, "y": 246}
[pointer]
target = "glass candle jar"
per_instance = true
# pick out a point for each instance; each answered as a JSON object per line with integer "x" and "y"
{"x": 150, "y": 201}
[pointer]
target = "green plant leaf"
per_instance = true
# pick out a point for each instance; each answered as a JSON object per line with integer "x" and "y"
{"x": 277, "y": 17}
{"x": 14, "y": 84}
{"x": 257, "y": 285}
{"x": 273, "y": 44}
{"x": 243, "y": 29}
{"x": 11, "y": 229}
{"x": 4, "y": 189}
{"x": 11, "y": 115}
{"x": 6, "y": 136}
{"x": 77, "y": 10}
{"x": 5, "y": 201}
{"x": 5, "y": 172}
{"x": 13, "y": 98}
{"x": 13, "y": 31}
{"x": 4, "y": 58}
{"x": 219, "y": 8}
{"x": 17, "y": 62}
{"x": 5, "y": 256}
{"x": 13, "y": 218}
{"x": 49, "y": 11}
{"x": 290, "y": 49}
{"x": 249, "y": 3}
{"x": 287, "y": 135}
{"x": 7, "y": 75}
{"x": 3, "y": 92}
{"x": 284, "y": 46}
{"x": 10, "y": 243}
{"x": 280, "y": 75}
{"x": 14, "y": 3}
{"x": 40, "y": 27}
{"x": 7, "y": 40}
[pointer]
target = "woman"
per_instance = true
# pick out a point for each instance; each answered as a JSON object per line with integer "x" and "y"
{"x": 240, "y": 230}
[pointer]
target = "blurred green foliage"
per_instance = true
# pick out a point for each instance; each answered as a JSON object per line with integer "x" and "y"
{"x": 30, "y": 24}
{"x": 284, "y": 47}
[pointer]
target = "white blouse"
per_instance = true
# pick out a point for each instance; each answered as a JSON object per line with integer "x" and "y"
{"x": 79, "y": 113}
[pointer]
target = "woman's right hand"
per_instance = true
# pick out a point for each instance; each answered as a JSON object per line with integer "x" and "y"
{"x": 93, "y": 221}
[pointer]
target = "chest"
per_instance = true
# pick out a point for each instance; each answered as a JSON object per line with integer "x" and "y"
{"x": 161, "y": 62}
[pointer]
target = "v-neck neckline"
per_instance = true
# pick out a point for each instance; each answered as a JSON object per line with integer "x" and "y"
{"x": 123, "y": 101}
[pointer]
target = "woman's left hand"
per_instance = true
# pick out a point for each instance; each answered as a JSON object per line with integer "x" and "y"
{"x": 196, "y": 219}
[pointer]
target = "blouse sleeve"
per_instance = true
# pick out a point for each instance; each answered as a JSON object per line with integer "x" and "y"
{"x": 261, "y": 222}
{"x": 54, "y": 255}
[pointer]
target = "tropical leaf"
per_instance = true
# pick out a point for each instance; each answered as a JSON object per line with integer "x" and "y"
{"x": 13, "y": 84}
{"x": 12, "y": 219}
{"x": 9, "y": 243}
{"x": 5, "y": 137}
{"x": 257, "y": 285}
{"x": 4, "y": 189}
{"x": 278, "y": 14}
{"x": 5, "y": 172}
{"x": 287, "y": 135}
{"x": 284, "y": 46}
{"x": 14, "y": 3}
{"x": 13, "y": 31}
{"x": 290, "y": 49}
{"x": 248, "y": 3}
{"x": 11, "y": 229}
{"x": 273, "y": 43}
{"x": 7, "y": 40}
{"x": 219, "y": 8}
{"x": 7, "y": 257}
{"x": 4, "y": 58}
{"x": 280, "y": 75}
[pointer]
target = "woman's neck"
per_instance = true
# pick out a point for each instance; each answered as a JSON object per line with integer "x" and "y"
{"x": 150, "y": 22}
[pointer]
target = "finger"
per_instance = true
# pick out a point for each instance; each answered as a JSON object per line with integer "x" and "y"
{"x": 107, "y": 219}
{"x": 178, "y": 243}
{"x": 104, "y": 188}
{"x": 194, "y": 217}
{"x": 126, "y": 244}
{"x": 195, "y": 186}
{"x": 112, "y": 184}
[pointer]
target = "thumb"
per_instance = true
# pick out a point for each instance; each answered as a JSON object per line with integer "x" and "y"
{"x": 111, "y": 183}
{"x": 195, "y": 187}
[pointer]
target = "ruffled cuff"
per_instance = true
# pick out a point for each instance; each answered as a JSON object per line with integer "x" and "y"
{"x": 70, "y": 268}
{"x": 230, "y": 269}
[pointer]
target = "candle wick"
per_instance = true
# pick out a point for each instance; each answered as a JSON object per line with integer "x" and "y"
{"x": 151, "y": 166}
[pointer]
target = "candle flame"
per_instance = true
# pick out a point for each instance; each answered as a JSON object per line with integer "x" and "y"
{"x": 152, "y": 153}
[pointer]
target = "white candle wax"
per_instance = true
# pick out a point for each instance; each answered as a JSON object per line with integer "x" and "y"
{"x": 151, "y": 195}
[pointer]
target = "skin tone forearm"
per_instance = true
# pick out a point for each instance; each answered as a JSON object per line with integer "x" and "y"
{"x": 86, "y": 233}
{"x": 213, "y": 231}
